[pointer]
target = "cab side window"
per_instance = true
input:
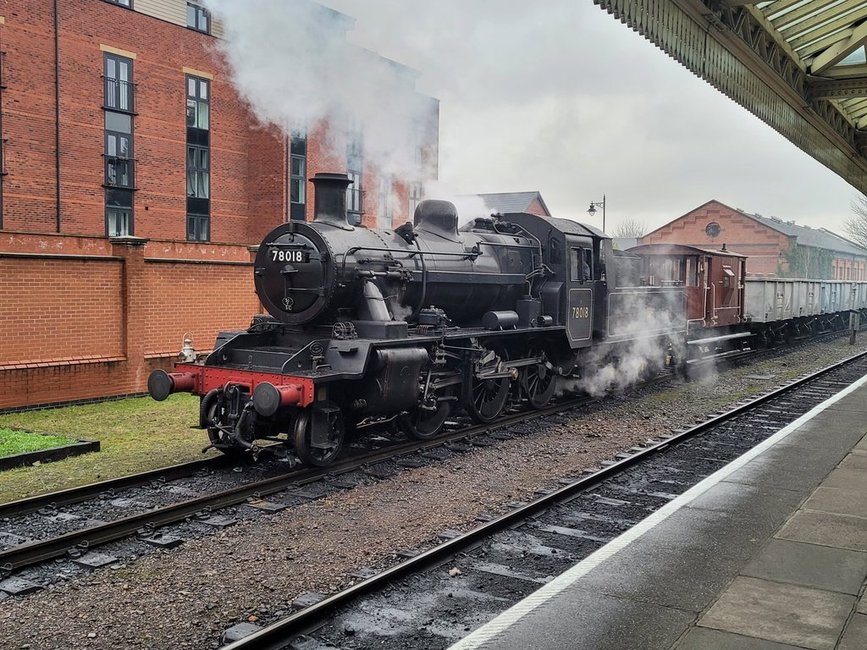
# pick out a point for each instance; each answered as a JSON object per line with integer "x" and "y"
{"x": 556, "y": 252}
{"x": 581, "y": 265}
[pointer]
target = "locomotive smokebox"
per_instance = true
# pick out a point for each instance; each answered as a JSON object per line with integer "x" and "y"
{"x": 330, "y": 198}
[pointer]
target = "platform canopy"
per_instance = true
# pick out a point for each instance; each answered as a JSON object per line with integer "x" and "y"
{"x": 799, "y": 65}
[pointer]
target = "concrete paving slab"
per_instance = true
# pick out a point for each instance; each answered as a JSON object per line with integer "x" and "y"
{"x": 732, "y": 496}
{"x": 838, "y": 531}
{"x": 862, "y": 606}
{"x": 862, "y": 445}
{"x": 810, "y": 565}
{"x": 842, "y": 501}
{"x": 816, "y": 434}
{"x": 704, "y": 638}
{"x": 855, "y": 635}
{"x": 581, "y": 619}
{"x": 790, "y": 468}
{"x": 844, "y": 477}
{"x": 852, "y": 403}
{"x": 799, "y": 616}
{"x": 686, "y": 561}
{"x": 855, "y": 461}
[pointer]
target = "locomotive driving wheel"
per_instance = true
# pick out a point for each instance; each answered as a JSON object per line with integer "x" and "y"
{"x": 319, "y": 435}
{"x": 538, "y": 381}
{"x": 427, "y": 420}
{"x": 486, "y": 398}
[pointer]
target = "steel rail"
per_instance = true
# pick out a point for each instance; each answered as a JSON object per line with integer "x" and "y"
{"x": 85, "y": 492}
{"x": 278, "y": 634}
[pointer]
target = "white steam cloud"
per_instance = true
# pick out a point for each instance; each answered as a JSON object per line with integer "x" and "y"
{"x": 291, "y": 61}
{"x": 643, "y": 320}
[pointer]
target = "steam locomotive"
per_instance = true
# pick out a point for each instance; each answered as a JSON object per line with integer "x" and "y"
{"x": 416, "y": 323}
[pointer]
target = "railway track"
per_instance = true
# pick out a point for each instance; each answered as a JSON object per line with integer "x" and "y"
{"x": 342, "y": 475}
{"x": 82, "y": 532}
{"x": 437, "y": 596}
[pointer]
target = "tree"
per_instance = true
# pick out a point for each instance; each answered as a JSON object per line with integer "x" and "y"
{"x": 630, "y": 227}
{"x": 856, "y": 225}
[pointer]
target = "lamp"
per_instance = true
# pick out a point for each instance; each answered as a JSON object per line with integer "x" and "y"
{"x": 592, "y": 210}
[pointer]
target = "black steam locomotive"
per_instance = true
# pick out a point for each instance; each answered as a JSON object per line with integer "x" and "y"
{"x": 414, "y": 324}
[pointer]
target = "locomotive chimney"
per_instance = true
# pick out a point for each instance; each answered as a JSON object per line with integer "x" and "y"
{"x": 330, "y": 198}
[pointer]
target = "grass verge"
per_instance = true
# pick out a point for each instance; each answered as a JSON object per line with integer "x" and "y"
{"x": 21, "y": 442}
{"x": 135, "y": 435}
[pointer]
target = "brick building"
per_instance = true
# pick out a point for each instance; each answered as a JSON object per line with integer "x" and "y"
{"x": 774, "y": 247}
{"x": 133, "y": 179}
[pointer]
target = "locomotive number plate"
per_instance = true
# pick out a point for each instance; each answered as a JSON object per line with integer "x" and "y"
{"x": 296, "y": 255}
{"x": 579, "y": 324}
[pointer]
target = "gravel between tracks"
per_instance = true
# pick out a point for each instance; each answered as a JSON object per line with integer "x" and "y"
{"x": 186, "y": 597}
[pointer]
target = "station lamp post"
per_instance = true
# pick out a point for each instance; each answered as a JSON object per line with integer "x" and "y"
{"x": 598, "y": 204}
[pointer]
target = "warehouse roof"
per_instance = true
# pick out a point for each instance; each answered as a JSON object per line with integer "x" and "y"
{"x": 506, "y": 202}
{"x": 806, "y": 236}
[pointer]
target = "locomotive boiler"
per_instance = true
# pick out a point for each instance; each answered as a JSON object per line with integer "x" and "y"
{"x": 329, "y": 271}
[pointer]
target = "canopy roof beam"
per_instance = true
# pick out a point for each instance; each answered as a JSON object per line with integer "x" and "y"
{"x": 754, "y": 54}
{"x": 837, "y": 88}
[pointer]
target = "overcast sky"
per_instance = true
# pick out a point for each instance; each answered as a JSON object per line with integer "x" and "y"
{"x": 558, "y": 96}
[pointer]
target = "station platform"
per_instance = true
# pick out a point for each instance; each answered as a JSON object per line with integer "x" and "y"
{"x": 768, "y": 553}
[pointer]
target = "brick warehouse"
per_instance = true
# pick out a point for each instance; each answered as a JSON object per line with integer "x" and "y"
{"x": 775, "y": 247}
{"x": 128, "y": 207}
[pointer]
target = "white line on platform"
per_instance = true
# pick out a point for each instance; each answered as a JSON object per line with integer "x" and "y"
{"x": 481, "y": 637}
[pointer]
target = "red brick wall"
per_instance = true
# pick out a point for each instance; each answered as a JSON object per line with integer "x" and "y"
{"x": 199, "y": 298}
{"x": 96, "y": 326}
{"x": 83, "y": 318}
{"x": 764, "y": 246}
{"x": 28, "y": 115}
{"x": 159, "y": 130}
{"x": 56, "y": 307}
{"x": 536, "y": 208}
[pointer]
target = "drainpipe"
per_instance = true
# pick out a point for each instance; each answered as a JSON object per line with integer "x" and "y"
{"x": 287, "y": 162}
{"x": 57, "y": 114}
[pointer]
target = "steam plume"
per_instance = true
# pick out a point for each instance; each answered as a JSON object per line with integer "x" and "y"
{"x": 291, "y": 61}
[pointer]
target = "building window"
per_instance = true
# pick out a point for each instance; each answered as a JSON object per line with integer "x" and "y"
{"x": 198, "y": 159}
{"x": 198, "y": 104}
{"x": 118, "y": 212}
{"x": 198, "y": 18}
{"x": 415, "y": 195}
{"x": 118, "y": 150}
{"x": 385, "y": 215}
{"x": 118, "y": 83}
{"x": 198, "y": 172}
{"x": 118, "y": 146}
{"x": 354, "y": 164}
{"x": 298, "y": 176}
{"x": 122, "y": 3}
{"x": 353, "y": 198}
{"x": 198, "y": 227}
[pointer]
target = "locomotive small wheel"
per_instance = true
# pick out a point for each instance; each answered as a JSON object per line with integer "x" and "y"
{"x": 538, "y": 383}
{"x": 313, "y": 456}
{"x": 424, "y": 424}
{"x": 486, "y": 399}
{"x": 218, "y": 438}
